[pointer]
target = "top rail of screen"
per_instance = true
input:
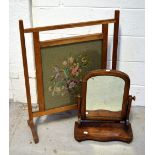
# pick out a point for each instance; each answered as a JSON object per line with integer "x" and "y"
{"x": 70, "y": 25}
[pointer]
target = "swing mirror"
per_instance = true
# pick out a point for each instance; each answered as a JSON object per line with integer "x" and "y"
{"x": 104, "y": 107}
{"x": 104, "y": 93}
{"x": 105, "y": 96}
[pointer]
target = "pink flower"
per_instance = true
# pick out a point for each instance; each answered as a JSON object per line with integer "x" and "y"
{"x": 75, "y": 70}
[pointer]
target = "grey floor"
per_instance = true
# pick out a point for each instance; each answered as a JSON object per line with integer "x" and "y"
{"x": 56, "y": 135}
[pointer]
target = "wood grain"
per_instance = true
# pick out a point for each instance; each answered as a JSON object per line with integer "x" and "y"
{"x": 25, "y": 66}
{"x": 101, "y": 72}
{"x": 70, "y": 25}
{"x": 38, "y": 44}
{"x": 103, "y": 132}
{"x": 39, "y": 76}
{"x": 55, "y": 110}
{"x": 33, "y": 130}
{"x": 104, "y": 45}
{"x": 68, "y": 40}
{"x": 103, "y": 114}
{"x": 115, "y": 40}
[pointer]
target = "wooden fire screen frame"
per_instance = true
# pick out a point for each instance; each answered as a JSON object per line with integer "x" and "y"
{"x": 37, "y": 46}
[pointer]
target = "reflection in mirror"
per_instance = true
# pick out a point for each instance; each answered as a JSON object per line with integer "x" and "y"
{"x": 104, "y": 93}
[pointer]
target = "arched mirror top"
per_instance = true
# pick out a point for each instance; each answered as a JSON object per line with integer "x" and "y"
{"x": 106, "y": 92}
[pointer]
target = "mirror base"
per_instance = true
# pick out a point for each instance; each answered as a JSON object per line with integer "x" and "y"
{"x": 103, "y": 132}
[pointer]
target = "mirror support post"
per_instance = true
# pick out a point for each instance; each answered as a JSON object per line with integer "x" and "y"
{"x": 115, "y": 39}
{"x": 130, "y": 98}
{"x": 79, "y": 108}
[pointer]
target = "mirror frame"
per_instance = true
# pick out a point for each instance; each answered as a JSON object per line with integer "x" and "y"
{"x": 116, "y": 116}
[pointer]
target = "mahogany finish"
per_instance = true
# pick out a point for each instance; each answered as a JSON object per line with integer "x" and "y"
{"x": 102, "y": 72}
{"x": 99, "y": 114}
{"x": 104, "y": 125}
{"x": 103, "y": 132}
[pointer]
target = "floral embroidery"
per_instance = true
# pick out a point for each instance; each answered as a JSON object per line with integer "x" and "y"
{"x": 68, "y": 77}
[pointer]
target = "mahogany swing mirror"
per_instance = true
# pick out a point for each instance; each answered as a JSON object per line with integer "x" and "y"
{"x": 104, "y": 107}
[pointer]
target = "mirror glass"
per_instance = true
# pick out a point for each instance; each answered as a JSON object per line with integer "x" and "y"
{"x": 104, "y": 93}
